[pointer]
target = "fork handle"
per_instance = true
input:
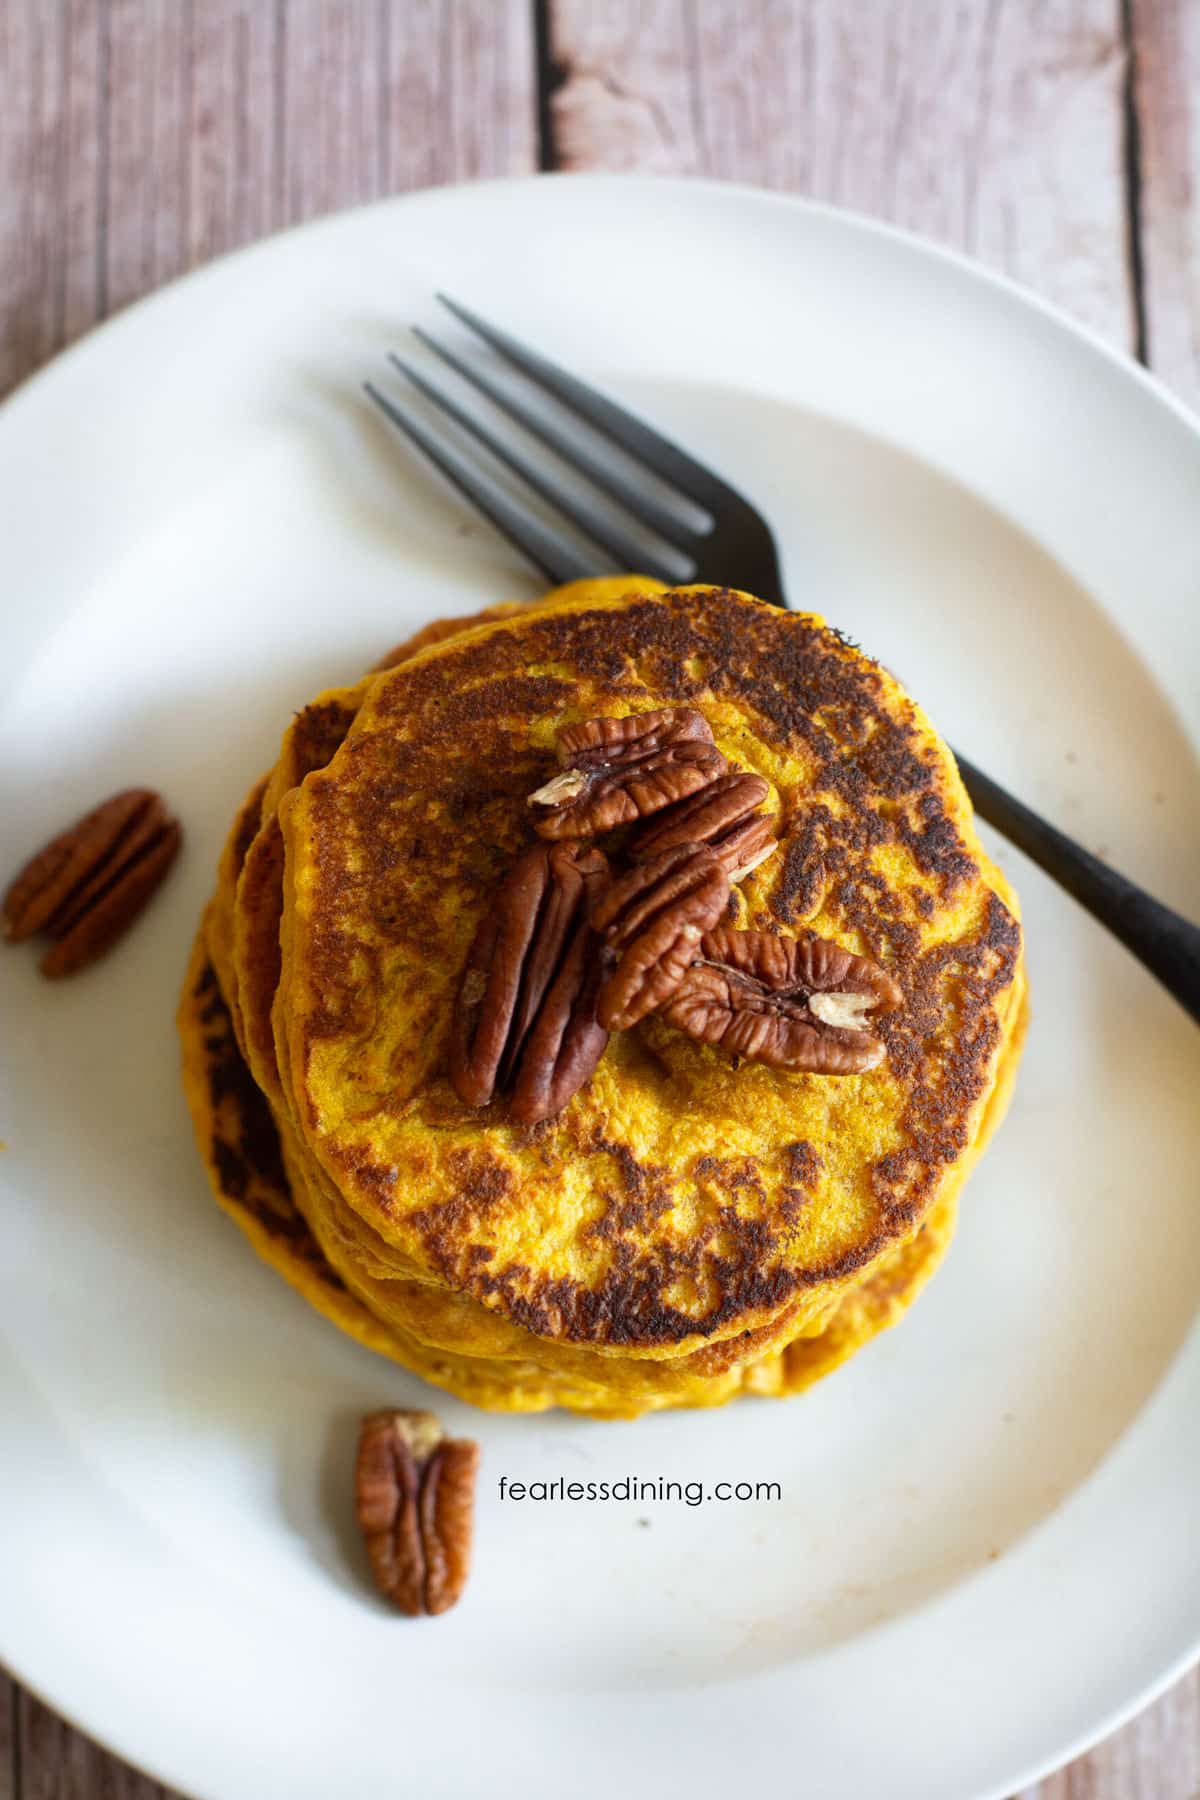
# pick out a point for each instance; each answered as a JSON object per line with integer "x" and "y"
{"x": 1164, "y": 941}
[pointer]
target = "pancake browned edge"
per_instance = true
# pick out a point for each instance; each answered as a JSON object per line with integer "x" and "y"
{"x": 240, "y": 1147}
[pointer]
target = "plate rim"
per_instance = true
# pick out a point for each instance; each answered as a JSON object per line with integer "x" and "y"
{"x": 1128, "y": 364}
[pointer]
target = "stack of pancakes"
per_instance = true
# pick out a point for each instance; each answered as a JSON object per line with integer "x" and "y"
{"x": 688, "y": 1228}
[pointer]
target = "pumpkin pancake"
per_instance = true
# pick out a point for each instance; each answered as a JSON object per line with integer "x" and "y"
{"x": 366, "y": 1277}
{"x": 678, "y": 1211}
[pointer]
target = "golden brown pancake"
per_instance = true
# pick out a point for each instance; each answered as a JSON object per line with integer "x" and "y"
{"x": 886, "y": 865}
{"x": 671, "y": 1205}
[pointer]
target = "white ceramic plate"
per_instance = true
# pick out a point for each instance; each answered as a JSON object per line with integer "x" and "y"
{"x": 985, "y": 1554}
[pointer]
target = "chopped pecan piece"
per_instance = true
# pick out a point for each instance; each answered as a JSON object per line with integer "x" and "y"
{"x": 618, "y": 770}
{"x": 654, "y": 918}
{"x": 725, "y": 816}
{"x": 791, "y": 1005}
{"x": 414, "y": 1491}
{"x": 89, "y": 884}
{"x": 526, "y": 1021}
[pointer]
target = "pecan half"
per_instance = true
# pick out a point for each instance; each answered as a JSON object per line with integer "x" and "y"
{"x": 618, "y": 770}
{"x": 791, "y": 1005}
{"x": 525, "y": 1018}
{"x": 566, "y": 1040}
{"x": 414, "y": 1491}
{"x": 654, "y": 918}
{"x": 90, "y": 883}
{"x": 725, "y": 816}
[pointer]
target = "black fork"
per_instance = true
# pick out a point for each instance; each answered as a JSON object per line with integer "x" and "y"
{"x": 734, "y": 547}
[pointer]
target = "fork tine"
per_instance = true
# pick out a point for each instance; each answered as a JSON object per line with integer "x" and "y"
{"x": 643, "y": 506}
{"x": 691, "y": 478}
{"x": 627, "y": 554}
{"x": 558, "y": 559}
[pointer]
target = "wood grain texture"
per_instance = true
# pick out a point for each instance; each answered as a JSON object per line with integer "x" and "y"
{"x": 139, "y": 138}
{"x": 1166, "y": 43}
{"x": 58, "y": 1763}
{"x": 50, "y": 222}
{"x": 1157, "y": 1757}
{"x": 9, "y": 1745}
{"x": 997, "y": 128}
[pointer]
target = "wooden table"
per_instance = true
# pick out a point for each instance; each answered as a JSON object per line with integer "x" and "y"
{"x": 1058, "y": 140}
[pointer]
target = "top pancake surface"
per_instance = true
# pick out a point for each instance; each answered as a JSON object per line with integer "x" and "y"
{"x": 677, "y": 1199}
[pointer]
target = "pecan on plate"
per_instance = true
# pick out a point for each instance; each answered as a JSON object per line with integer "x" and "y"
{"x": 724, "y": 815}
{"x": 414, "y": 1491}
{"x": 791, "y": 1005}
{"x": 617, "y": 770}
{"x": 654, "y": 918}
{"x": 89, "y": 884}
{"x": 525, "y": 1020}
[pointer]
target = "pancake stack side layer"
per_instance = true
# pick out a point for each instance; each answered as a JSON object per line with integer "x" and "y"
{"x": 687, "y": 1229}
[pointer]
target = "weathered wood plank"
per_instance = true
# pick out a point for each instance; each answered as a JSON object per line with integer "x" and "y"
{"x": 233, "y": 195}
{"x": 58, "y": 1763}
{"x": 1156, "y": 1757}
{"x": 998, "y": 129}
{"x": 79, "y": 197}
{"x": 1166, "y": 44}
{"x": 9, "y": 1747}
{"x": 379, "y": 97}
{"x": 142, "y": 137}
{"x": 329, "y": 107}
{"x": 26, "y": 175}
{"x": 144, "y": 150}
